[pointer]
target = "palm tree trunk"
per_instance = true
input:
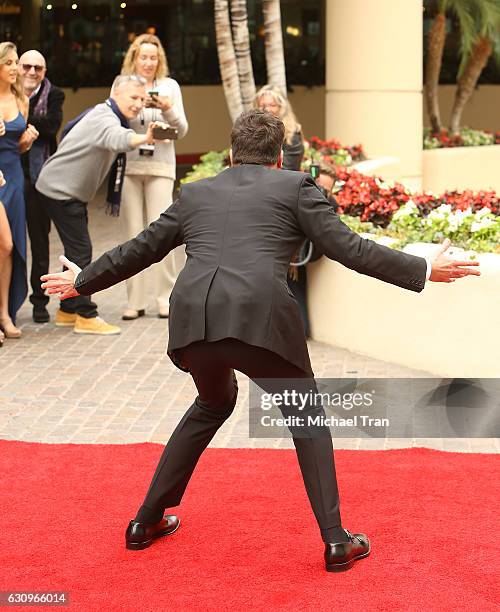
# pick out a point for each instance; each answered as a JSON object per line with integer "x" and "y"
{"x": 437, "y": 37}
{"x": 227, "y": 58}
{"x": 241, "y": 40}
{"x": 468, "y": 79}
{"x": 275, "y": 57}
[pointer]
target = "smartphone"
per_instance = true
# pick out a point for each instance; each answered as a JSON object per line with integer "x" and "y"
{"x": 169, "y": 133}
{"x": 152, "y": 94}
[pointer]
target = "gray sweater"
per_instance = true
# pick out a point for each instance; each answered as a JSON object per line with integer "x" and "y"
{"x": 85, "y": 156}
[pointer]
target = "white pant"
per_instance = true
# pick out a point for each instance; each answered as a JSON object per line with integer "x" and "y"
{"x": 143, "y": 200}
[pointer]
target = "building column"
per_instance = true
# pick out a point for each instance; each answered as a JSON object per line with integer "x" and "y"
{"x": 374, "y": 81}
{"x": 30, "y": 24}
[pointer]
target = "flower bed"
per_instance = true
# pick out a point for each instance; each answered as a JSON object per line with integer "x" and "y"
{"x": 369, "y": 204}
{"x": 466, "y": 138}
{"x": 331, "y": 152}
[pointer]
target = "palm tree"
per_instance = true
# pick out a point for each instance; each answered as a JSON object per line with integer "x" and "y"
{"x": 275, "y": 57}
{"x": 487, "y": 40}
{"x": 227, "y": 58}
{"x": 462, "y": 9}
{"x": 241, "y": 41}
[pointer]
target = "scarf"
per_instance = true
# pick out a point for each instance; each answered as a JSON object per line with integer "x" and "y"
{"x": 40, "y": 149}
{"x": 117, "y": 172}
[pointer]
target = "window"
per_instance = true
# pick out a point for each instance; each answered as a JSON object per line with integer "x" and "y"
{"x": 85, "y": 46}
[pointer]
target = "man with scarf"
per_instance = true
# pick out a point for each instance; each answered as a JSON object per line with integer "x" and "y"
{"x": 45, "y": 114}
{"x": 91, "y": 151}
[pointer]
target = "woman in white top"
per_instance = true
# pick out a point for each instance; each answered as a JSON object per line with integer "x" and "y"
{"x": 150, "y": 170}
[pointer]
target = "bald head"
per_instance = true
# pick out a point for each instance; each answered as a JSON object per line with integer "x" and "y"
{"x": 32, "y": 68}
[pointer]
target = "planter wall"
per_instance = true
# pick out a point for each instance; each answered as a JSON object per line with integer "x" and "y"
{"x": 461, "y": 168}
{"x": 450, "y": 330}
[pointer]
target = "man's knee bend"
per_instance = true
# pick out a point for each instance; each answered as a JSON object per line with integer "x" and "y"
{"x": 220, "y": 407}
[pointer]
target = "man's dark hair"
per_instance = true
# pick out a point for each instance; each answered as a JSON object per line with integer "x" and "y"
{"x": 257, "y": 138}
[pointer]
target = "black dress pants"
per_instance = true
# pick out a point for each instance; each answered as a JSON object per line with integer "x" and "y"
{"x": 71, "y": 220}
{"x": 212, "y": 365}
{"x": 38, "y": 223}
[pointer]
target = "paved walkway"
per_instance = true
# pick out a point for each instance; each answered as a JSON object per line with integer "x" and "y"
{"x": 56, "y": 386}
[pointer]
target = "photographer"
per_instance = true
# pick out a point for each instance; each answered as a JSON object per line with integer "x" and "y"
{"x": 325, "y": 179}
{"x": 150, "y": 172}
{"x": 92, "y": 148}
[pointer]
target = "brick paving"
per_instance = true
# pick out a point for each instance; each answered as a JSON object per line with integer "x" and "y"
{"x": 58, "y": 387}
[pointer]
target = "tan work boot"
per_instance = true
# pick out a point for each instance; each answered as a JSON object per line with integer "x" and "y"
{"x": 96, "y": 325}
{"x": 65, "y": 319}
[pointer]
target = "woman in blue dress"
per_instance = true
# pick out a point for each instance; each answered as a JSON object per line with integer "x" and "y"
{"x": 14, "y": 139}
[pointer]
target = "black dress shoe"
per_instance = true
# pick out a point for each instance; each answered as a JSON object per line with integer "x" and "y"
{"x": 40, "y": 314}
{"x": 141, "y": 535}
{"x": 340, "y": 556}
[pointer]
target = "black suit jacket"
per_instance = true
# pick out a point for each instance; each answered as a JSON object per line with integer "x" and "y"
{"x": 241, "y": 229}
{"x": 47, "y": 125}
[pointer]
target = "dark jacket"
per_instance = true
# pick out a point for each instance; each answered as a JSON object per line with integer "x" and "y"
{"x": 47, "y": 125}
{"x": 293, "y": 152}
{"x": 241, "y": 228}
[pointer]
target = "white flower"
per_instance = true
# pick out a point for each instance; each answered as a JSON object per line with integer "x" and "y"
{"x": 454, "y": 222}
{"x": 435, "y": 215}
{"x": 407, "y": 210}
{"x": 486, "y": 222}
{"x": 482, "y": 213}
{"x": 464, "y": 213}
{"x": 445, "y": 209}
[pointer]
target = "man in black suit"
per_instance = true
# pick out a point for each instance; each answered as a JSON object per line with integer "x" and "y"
{"x": 231, "y": 309}
{"x": 45, "y": 114}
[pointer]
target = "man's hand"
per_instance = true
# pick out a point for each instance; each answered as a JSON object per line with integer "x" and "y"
{"x": 141, "y": 139}
{"x": 62, "y": 283}
{"x": 446, "y": 270}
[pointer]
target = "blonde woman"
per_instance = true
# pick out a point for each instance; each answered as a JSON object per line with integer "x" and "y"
{"x": 15, "y": 137}
{"x": 271, "y": 99}
{"x": 150, "y": 170}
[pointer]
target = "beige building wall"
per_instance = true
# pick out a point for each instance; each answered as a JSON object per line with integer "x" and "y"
{"x": 374, "y": 80}
{"x": 209, "y": 120}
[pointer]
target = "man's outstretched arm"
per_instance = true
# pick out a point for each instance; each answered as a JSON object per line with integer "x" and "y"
{"x": 333, "y": 238}
{"x": 121, "y": 262}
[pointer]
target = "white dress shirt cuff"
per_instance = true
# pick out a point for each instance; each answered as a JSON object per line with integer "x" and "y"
{"x": 429, "y": 268}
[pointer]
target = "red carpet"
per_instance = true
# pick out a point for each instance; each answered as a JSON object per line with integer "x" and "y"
{"x": 248, "y": 540}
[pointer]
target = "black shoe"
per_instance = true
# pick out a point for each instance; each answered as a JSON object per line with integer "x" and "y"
{"x": 340, "y": 556}
{"x": 40, "y": 314}
{"x": 141, "y": 535}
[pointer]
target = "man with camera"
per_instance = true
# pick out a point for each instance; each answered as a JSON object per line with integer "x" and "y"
{"x": 93, "y": 148}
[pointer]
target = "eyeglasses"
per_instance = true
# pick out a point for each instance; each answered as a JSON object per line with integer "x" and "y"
{"x": 28, "y": 67}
